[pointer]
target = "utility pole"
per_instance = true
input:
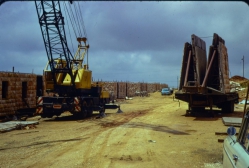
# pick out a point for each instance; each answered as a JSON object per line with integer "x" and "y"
{"x": 177, "y": 83}
{"x": 243, "y": 59}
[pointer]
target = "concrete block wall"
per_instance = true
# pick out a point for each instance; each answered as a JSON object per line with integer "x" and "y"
{"x": 111, "y": 87}
{"x": 123, "y": 89}
{"x": 151, "y": 87}
{"x": 132, "y": 88}
{"x": 11, "y": 100}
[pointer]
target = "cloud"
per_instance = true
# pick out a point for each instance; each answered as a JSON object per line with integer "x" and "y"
{"x": 129, "y": 41}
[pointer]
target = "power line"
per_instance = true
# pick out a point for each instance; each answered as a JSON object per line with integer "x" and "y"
{"x": 206, "y": 37}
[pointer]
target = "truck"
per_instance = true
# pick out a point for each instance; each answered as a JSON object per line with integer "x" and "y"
{"x": 205, "y": 82}
{"x": 68, "y": 81}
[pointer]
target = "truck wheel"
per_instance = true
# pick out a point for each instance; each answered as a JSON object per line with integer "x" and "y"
{"x": 90, "y": 108}
{"x": 46, "y": 115}
{"x": 197, "y": 109}
{"x": 84, "y": 109}
{"x": 83, "y": 113}
{"x": 228, "y": 107}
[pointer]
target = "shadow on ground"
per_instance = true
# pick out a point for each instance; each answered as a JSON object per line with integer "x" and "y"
{"x": 207, "y": 115}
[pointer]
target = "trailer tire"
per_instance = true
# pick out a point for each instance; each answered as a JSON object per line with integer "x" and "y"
{"x": 228, "y": 107}
{"x": 197, "y": 109}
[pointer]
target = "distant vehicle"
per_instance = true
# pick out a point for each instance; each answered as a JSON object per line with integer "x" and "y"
{"x": 171, "y": 90}
{"x": 166, "y": 91}
{"x": 236, "y": 150}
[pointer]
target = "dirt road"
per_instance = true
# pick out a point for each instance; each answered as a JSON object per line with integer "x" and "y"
{"x": 153, "y": 132}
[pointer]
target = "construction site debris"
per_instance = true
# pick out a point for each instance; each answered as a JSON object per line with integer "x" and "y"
{"x": 232, "y": 121}
{"x": 12, "y": 125}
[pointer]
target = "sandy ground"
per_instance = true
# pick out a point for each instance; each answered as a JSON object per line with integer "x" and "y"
{"x": 153, "y": 132}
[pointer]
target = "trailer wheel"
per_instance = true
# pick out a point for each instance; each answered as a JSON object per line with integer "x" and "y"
{"x": 228, "y": 107}
{"x": 197, "y": 109}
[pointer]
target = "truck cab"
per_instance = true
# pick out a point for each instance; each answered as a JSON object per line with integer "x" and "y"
{"x": 236, "y": 149}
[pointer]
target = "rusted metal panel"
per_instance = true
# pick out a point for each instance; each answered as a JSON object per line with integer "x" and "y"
{"x": 218, "y": 77}
{"x": 213, "y": 78}
{"x": 194, "y": 64}
{"x": 201, "y": 63}
{"x": 187, "y": 48}
{"x": 217, "y": 39}
{"x": 200, "y": 58}
{"x": 198, "y": 42}
{"x": 224, "y": 68}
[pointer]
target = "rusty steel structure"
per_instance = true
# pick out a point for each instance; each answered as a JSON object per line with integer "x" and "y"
{"x": 205, "y": 82}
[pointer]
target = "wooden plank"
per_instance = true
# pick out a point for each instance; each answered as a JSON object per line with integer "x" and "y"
{"x": 223, "y": 133}
{"x": 231, "y": 121}
{"x": 220, "y": 140}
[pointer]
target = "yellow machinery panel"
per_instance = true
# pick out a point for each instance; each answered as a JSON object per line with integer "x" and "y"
{"x": 105, "y": 94}
{"x": 49, "y": 84}
{"x": 83, "y": 79}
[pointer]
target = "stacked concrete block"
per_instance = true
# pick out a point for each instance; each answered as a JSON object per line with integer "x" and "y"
{"x": 19, "y": 91}
{"x": 143, "y": 87}
{"x": 121, "y": 90}
{"x": 111, "y": 87}
{"x": 132, "y": 88}
{"x": 151, "y": 87}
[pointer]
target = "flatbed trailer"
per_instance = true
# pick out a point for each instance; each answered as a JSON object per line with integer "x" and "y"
{"x": 198, "y": 102}
{"x": 205, "y": 82}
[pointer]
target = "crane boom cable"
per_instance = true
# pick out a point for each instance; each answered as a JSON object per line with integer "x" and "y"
{"x": 82, "y": 22}
{"x": 69, "y": 30}
{"x": 72, "y": 14}
{"x": 77, "y": 17}
{"x": 71, "y": 21}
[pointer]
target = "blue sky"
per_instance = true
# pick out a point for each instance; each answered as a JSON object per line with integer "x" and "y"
{"x": 130, "y": 41}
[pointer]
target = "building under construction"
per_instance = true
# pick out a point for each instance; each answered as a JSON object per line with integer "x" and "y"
{"x": 18, "y": 92}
